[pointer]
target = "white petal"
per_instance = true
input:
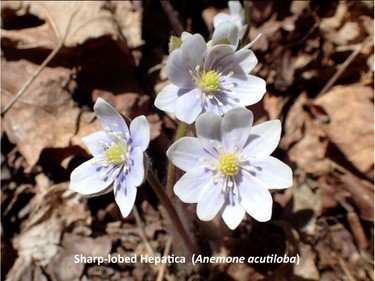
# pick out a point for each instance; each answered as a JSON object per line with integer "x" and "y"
{"x": 246, "y": 59}
{"x": 254, "y": 198}
{"x": 109, "y": 117}
{"x": 222, "y": 17}
{"x": 140, "y": 132}
{"x": 186, "y": 152}
{"x": 189, "y": 187}
{"x": 93, "y": 142}
{"x": 235, "y": 128}
{"x": 248, "y": 89}
{"x": 273, "y": 173}
{"x": 167, "y": 98}
{"x": 208, "y": 129}
{"x": 85, "y": 179}
{"x": 189, "y": 106}
{"x": 236, "y": 9}
{"x": 263, "y": 139}
{"x": 232, "y": 211}
{"x": 210, "y": 201}
{"x": 136, "y": 172}
{"x": 125, "y": 195}
{"x": 225, "y": 31}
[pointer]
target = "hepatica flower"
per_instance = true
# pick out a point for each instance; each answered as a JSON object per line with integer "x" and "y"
{"x": 209, "y": 79}
{"x": 118, "y": 160}
{"x": 236, "y": 17}
{"x": 229, "y": 168}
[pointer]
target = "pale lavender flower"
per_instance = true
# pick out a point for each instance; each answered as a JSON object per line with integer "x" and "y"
{"x": 229, "y": 168}
{"x": 236, "y": 17}
{"x": 118, "y": 160}
{"x": 209, "y": 79}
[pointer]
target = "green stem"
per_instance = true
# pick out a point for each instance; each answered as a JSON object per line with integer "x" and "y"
{"x": 175, "y": 220}
{"x": 171, "y": 175}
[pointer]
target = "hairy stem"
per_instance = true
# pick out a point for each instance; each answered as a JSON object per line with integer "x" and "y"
{"x": 175, "y": 220}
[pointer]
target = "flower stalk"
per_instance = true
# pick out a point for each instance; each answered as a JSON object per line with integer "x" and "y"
{"x": 175, "y": 220}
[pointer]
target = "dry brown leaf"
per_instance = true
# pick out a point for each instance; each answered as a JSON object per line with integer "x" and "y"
{"x": 129, "y": 16}
{"x": 45, "y": 117}
{"x": 351, "y": 127}
{"x": 40, "y": 243}
{"x": 81, "y": 20}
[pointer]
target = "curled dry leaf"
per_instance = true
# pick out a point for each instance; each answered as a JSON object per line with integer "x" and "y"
{"x": 76, "y": 19}
{"x": 45, "y": 107}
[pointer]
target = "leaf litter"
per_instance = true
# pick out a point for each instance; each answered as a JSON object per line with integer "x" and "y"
{"x": 317, "y": 59}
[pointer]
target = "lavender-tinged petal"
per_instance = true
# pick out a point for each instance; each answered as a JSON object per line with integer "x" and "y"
{"x": 194, "y": 47}
{"x": 263, "y": 139}
{"x": 232, "y": 211}
{"x": 185, "y": 35}
{"x": 255, "y": 198}
{"x": 85, "y": 179}
{"x": 225, "y": 31}
{"x": 136, "y": 173}
{"x": 189, "y": 106}
{"x": 186, "y": 152}
{"x": 208, "y": 131}
{"x": 189, "y": 187}
{"x": 246, "y": 59}
{"x": 140, "y": 132}
{"x": 110, "y": 118}
{"x": 93, "y": 142}
{"x": 235, "y": 128}
{"x": 273, "y": 173}
{"x": 178, "y": 69}
{"x": 125, "y": 195}
{"x": 219, "y": 58}
{"x": 210, "y": 202}
{"x": 247, "y": 89}
{"x": 166, "y": 100}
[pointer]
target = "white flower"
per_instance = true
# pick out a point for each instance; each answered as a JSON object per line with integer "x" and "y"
{"x": 209, "y": 79}
{"x": 236, "y": 17}
{"x": 229, "y": 168}
{"x": 118, "y": 161}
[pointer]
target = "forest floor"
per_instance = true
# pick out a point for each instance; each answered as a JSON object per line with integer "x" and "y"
{"x": 317, "y": 59}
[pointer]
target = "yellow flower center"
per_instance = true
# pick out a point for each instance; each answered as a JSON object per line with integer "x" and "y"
{"x": 209, "y": 82}
{"x": 116, "y": 154}
{"x": 228, "y": 165}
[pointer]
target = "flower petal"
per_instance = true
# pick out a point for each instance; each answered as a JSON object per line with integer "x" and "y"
{"x": 136, "y": 173}
{"x": 140, "y": 132}
{"x": 235, "y": 128}
{"x": 166, "y": 100}
{"x": 125, "y": 195}
{"x": 247, "y": 90}
{"x": 194, "y": 47}
{"x": 254, "y": 198}
{"x": 85, "y": 179}
{"x": 189, "y": 187}
{"x": 246, "y": 59}
{"x": 208, "y": 130}
{"x": 273, "y": 173}
{"x": 188, "y": 107}
{"x": 236, "y": 9}
{"x": 186, "y": 152}
{"x": 263, "y": 139}
{"x": 225, "y": 31}
{"x": 178, "y": 69}
{"x": 232, "y": 211}
{"x": 110, "y": 118}
{"x": 210, "y": 201}
{"x": 222, "y": 17}
{"x": 93, "y": 142}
